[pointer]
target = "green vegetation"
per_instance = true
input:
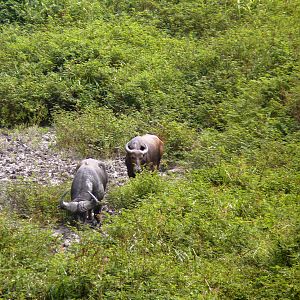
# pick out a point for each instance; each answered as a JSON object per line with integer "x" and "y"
{"x": 218, "y": 81}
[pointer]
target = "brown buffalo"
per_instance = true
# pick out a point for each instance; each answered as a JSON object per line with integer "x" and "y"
{"x": 141, "y": 151}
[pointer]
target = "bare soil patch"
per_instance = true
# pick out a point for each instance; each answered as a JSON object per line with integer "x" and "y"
{"x": 32, "y": 155}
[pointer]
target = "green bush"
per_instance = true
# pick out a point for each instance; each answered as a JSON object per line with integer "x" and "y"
{"x": 170, "y": 244}
{"x": 120, "y": 62}
{"x": 25, "y": 253}
{"x": 136, "y": 190}
{"x": 79, "y": 67}
{"x": 29, "y": 12}
{"x": 36, "y": 202}
{"x": 197, "y": 228}
{"x": 99, "y": 131}
{"x": 196, "y": 18}
{"x": 218, "y": 82}
{"x": 95, "y": 131}
{"x": 178, "y": 139}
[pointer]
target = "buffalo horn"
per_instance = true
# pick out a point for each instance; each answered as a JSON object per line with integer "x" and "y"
{"x": 131, "y": 151}
{"x": 70, "y": 206}
{"x": 96, "y": 200}
{"x": 127, "y": 148}
{"x": 61, "y": 202}
{"x": 86, "y": 205}
{"x": 79, "y": 207}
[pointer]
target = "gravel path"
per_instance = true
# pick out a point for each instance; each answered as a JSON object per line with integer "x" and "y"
{"x": 33, "y": 155}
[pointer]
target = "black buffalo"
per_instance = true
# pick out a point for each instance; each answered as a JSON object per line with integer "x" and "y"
{"x": 88, "y": 188}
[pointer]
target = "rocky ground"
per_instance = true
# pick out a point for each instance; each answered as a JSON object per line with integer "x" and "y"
{"x": 32, "y": 155}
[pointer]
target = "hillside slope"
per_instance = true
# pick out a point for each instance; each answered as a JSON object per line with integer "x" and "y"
{"x": 218, "y": 81}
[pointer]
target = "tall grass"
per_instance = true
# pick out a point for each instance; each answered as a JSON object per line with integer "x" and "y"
{"x": 218, "y": 81}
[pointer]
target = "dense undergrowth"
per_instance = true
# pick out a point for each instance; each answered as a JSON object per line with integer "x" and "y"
{"x": 218, "y": 81}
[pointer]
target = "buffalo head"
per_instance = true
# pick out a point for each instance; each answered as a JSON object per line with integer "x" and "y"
{"x": 137, "y": 155}
{"x": 143, "y": 151}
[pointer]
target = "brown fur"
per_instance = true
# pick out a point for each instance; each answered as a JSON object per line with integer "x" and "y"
{"x": 135, "y": 160}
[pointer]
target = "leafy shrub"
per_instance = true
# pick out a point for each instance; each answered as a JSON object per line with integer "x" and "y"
{"x": 136, "y": 190}
{"x": 127, "y": 65}
{"x": 169, "y": 244}
{"x": 218, "y": 81}
{"x": 188, "y": 17}
{"x": 35, "y": 202}
{"x": 215, "y": 147}
{"x": 195, "y": 227}
{"x": 178, "y": 138}
{"x": 95, "y": 131}
{"x": 43, "y": 71}
{"x": 98, "y": 131}
{"x": 25, "y": 12}
{"x": 24, "y": 247}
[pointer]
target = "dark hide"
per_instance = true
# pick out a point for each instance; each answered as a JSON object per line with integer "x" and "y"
{"x": 90, "y": 180}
